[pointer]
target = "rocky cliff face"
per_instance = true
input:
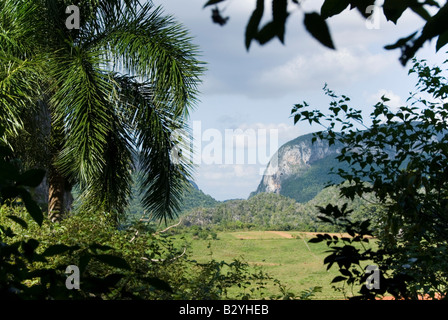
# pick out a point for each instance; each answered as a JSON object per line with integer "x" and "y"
{"x": 294, "y": 160}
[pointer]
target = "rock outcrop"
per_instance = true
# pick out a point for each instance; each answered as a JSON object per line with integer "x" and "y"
{"x": 295, "y": 159}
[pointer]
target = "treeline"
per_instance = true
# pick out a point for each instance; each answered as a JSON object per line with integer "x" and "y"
{"x": 269, "y": 211}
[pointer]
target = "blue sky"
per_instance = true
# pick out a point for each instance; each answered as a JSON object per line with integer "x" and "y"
{"x": 256, "y": 90}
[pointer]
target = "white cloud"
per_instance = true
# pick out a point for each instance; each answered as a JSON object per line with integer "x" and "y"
{"x": 339, "y": 68}
{"x": 249, "y": 143}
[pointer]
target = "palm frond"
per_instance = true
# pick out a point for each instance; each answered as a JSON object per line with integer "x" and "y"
{"x": 155, "y": 48}
{"x": 19, "y": 89}
{"x": 164, "y": 173}
{"x": 81, "y": 100}
{"x": 110, "y": 190}
{"x": 20, "y": 28}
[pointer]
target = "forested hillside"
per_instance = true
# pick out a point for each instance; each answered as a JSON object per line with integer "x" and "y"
{"x": 270, "y": 211}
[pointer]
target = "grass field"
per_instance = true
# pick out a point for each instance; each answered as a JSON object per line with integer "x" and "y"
{"x": 286, "y": 256}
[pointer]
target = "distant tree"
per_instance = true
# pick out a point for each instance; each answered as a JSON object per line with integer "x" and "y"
{"x": 316, "y": 22}
{"x": 401, "y": 159}
{"x": 119, "y": 77}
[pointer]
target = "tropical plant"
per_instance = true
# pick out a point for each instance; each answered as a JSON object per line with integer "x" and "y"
{"x": 401, "y": 159}
{"x": 119, "y": 84}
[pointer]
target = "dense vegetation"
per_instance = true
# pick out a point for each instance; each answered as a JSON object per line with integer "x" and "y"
{"x": 402, "y": 160}
{"x": 131, "y": 263}
{"x": 83, "y": 104}
{"x": 270, "y": 211}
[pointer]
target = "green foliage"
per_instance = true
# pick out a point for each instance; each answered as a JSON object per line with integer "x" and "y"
{"x": 25, "y": 271}
{"x": 316, "y": 22}
{"x": 129, "y": 264}
{"x": 132, "y": 263}
{"x": 401, "y": 161}
{"x": 201, "y": 233}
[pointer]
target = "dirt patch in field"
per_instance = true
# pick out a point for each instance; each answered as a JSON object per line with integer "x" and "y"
{"x": 240, "y": 237}
{"x": 282, "y": 234}
{"x": 260, "y": 235}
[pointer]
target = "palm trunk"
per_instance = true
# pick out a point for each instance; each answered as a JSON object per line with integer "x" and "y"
{"x": 59, "y": 188}
{"x": 56, "y": 192}
{"x": 60, "y": 198}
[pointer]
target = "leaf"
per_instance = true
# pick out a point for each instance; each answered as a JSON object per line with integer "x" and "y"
{"x": 330, "y": 259}
{"x": 280, "y": 14}
{"x": 112, "y": 279}
{"x": 7, "y": 170}
{"x": 393, "y": 9}
{"x": 31, "y": 178}
{"x": 338, "y": 279}
{"x": 212, "y": 2}
{"x": 18, "y": 220}
{"x": 324, "y": 219}
{"x": 422, "y": 12}
{"x": 362, "y": 6}
{"x": 30, "y": 246}
{"x": 159, "y": 284}
{"x": 31, "y": 206}
{"x": 254, "y": 22}
{"x": 317, "y": 26}
{"x": 266, "y": 34}
{"x": 10, "y": 192}
{"x": 84, "y": 261}
{"x": 316, "y": 240}
{"x": 113, "y": 261}
{"x": 97, "y": 246}
{"x": 57, "y": 249}
{"x": 442, "y": 40}
{"x": 345, "y": 272}
{"x": 333, "y": 7}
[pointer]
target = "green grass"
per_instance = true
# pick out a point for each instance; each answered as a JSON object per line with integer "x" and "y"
{"x": 295, "y": 262}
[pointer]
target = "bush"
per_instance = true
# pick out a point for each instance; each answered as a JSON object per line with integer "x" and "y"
{"x": 401, "y": 160}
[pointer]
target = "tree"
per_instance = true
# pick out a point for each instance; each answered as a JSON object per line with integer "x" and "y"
{"x": 401, "y": 159}
{"x": 316, "y": 22}
{"x": 105, "y": 80}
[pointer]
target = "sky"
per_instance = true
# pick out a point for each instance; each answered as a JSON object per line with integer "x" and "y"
{"x": 251, "y": 93}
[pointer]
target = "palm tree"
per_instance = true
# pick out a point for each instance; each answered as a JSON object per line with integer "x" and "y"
{"x": 104, "y": 95}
